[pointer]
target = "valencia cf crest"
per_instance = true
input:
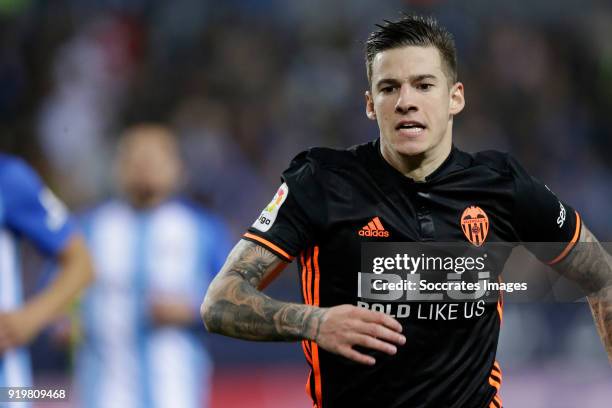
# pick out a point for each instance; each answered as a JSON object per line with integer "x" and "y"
{"x": 475, "y": 224}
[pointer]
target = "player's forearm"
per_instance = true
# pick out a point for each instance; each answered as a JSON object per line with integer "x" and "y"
{"x": 599, "y": 264}
{"x": 75, "y": 273}
{"x": 240, "y": 310}
{"x": 235, "y": 306}
{"x": 601, "y": 308}
{"x": 591, "y": 266}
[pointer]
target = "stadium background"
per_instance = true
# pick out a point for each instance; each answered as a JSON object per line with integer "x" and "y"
{"x": 249, "y": 83}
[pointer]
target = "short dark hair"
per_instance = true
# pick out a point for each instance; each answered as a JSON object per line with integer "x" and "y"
{"x": 413, "y": 30}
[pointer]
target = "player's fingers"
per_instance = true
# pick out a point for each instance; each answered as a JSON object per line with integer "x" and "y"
{"x": 382, "y": 332}
{"x": 373, "y": 343}
{"x": 380, "y": 318}
{"x": 357, "y": 356}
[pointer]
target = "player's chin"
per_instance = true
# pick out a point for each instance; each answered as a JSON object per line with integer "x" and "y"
{"x": 413, "y": 147}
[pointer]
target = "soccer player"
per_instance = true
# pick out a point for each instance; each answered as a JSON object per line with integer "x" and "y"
{"x": 409, "y": 185}
{"x": 29, "y": 210}
{"x": 154, "y": 254}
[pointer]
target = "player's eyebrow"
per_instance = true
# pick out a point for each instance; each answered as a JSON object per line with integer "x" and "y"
{"x": 417, "y": 78}
{"x": 413, "y": 78}
{"x": 386, "y": 81}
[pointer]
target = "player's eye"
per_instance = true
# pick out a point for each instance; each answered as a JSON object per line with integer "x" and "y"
{"x": 388, "y": 89}
{"x": 424, "y": 86}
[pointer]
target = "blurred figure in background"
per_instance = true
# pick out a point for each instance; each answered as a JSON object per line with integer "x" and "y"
{"x": 28, "y": 209}
{"x": 154, "y": 254}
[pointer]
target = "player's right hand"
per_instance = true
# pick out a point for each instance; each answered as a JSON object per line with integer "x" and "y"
{"x": 345, "y": 326}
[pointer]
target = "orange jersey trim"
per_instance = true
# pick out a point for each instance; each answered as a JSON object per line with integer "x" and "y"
{"x": 317, "y": 375}
{"x": 309, "y": 260}
{"x": 305, "y": 348}
{"x": 317, "y": 276}
{"x": 304, "y": 281}
{"x": 500, "y": 305}
{"x": 496, "y": 402}
{"x": 268, "y": 244}
{"x": 308, "y": 391}
{"x": 571, "y": 244}
{"x": 495, "y": 380}
{"x": 309, "y": 280}
{"x": 314, "y": 346}
{"x": 310, "y": 276}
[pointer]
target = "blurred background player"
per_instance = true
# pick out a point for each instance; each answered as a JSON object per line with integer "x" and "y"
{"x": 28, "y": 209}
{"x": 153, "y": 255}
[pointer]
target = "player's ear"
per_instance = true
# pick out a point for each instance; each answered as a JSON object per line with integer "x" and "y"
{"x": 457, "y": 99}
{"x": 370, "y": 112}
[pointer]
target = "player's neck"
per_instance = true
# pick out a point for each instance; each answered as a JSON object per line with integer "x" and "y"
{"x": 418, "y": 167}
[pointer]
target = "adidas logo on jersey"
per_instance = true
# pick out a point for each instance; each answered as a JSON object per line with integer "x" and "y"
{"x": 374, "y": 228}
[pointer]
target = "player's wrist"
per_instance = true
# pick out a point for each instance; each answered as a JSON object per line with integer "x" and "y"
{"x": 314, "y": 321}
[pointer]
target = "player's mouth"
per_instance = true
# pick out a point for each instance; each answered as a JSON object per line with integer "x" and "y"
{"x": 410, "y": 127}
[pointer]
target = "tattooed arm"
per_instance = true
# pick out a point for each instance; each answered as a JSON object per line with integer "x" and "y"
{"x": 235, "y": 306}
{"x": 591, "y": 266}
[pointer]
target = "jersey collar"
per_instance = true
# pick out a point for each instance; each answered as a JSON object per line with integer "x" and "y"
{"x": 456, "y": 160}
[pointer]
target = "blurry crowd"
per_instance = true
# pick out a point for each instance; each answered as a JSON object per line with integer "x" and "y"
{"x": 247, "y": 84}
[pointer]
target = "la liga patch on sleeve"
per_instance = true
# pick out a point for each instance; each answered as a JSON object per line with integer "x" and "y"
{"x": 268, "y": 215}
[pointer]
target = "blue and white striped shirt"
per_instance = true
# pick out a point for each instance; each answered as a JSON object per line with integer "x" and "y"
{"x": 28, "y": 210}
{"x": 171, "y": 251}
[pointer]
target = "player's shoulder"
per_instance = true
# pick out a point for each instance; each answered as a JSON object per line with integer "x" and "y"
{"x": 499, "y": 162}
{"x": 328, "y": 158}
{"x": 15, "y": 172}
{"x": 319, "y": 169}
{"x": 8, "y": 161}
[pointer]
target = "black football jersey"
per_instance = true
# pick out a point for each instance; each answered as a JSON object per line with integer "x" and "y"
{"x": 332, "y": 201}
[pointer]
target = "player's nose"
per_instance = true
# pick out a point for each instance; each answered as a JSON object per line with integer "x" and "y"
{"x": 406, "y": 100}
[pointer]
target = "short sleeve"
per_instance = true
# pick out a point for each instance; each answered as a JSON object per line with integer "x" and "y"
{"x": 289, "y": 223}
{"x": 32, "y": 210}
{"x": 548, "y": 226}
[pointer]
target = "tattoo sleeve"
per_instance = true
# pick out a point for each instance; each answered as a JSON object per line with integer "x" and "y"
{"x": 591, "y": 266}
{"x": 234, "y": 305}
